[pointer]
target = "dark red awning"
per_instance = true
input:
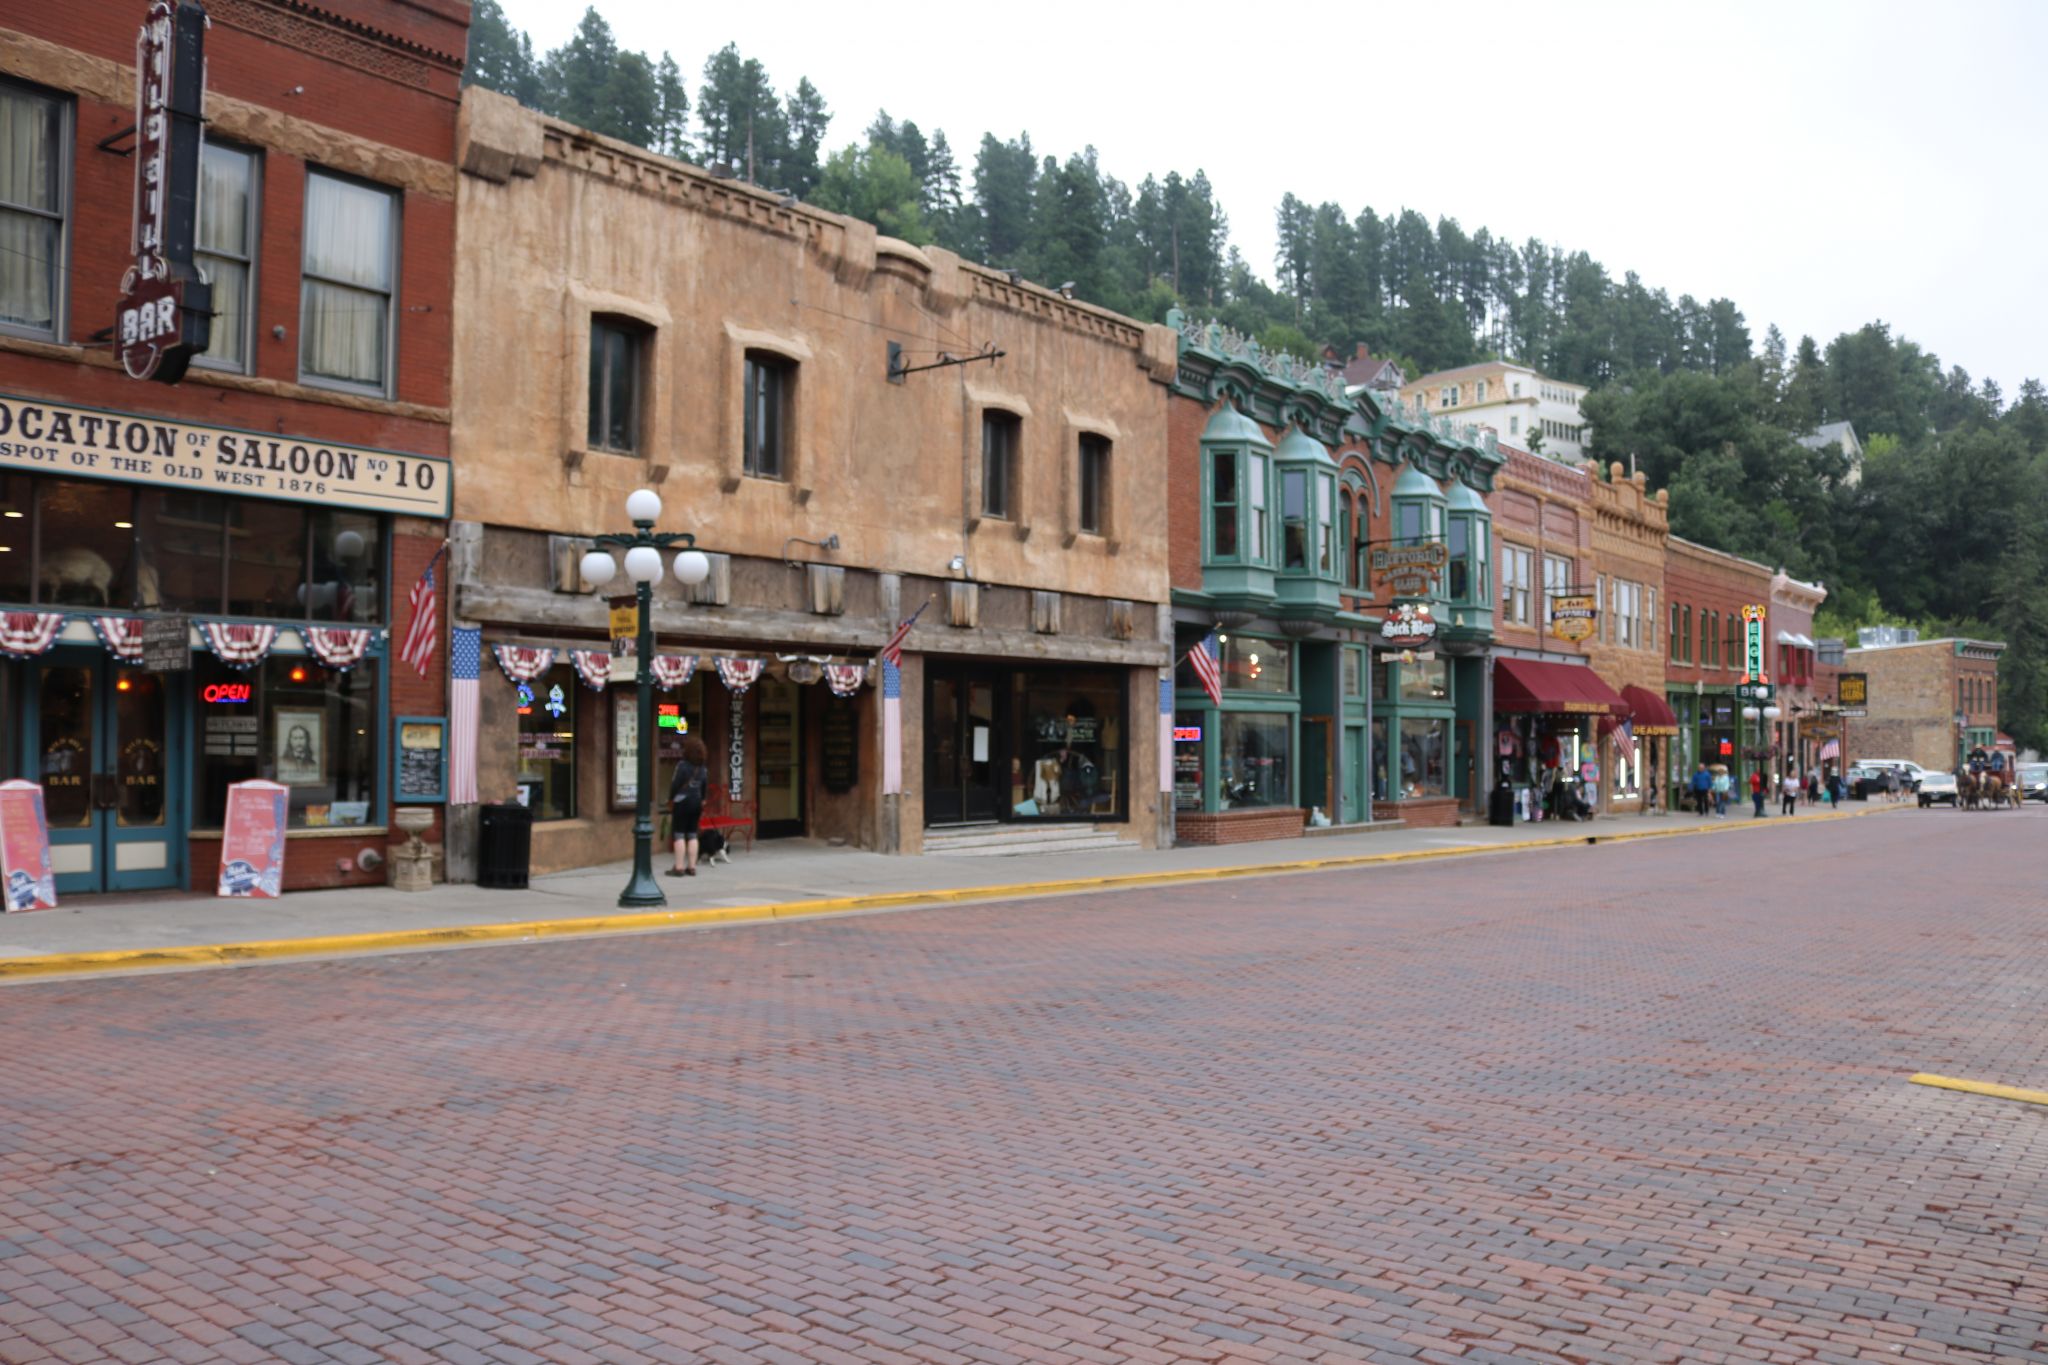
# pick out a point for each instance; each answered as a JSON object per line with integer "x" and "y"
{"x": 1553, "y": 689}
{"x": 1652, "y": 713}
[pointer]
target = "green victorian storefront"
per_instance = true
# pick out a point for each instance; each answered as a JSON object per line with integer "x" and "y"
{"x": 1287, "y": 491}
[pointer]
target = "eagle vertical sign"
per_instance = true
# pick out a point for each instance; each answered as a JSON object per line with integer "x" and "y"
{"x": 166, "y": 311}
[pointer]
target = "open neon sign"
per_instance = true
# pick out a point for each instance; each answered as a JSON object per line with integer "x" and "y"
{"x": 225, "y": 694}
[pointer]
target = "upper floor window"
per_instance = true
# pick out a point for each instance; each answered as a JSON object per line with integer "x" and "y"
{"x": 1294, "y": 532}
{"x": 1735, "y": 655}
{"x": 1448, "y": 397}
{"x": 1479, "y": 391}
{"x": 770, "y": 380}
{"x": 1674, "y": 632}
{"x": 35, "y": 147}
{"x": 1459, "y": 544}
{"x": 1094, "y": 484}
{"x": 1515, "y": 389}
{"x": 999, "y": 439}
{"x": 1223, "y": 504}
{"x": 1627, "y": 613}
{"x": 1516, "y": 567}
{"x": 1649, "y": 640}
{"x": 229, "y": 210}
{"x": 350, "y": 282}
{"x": 1255, "y": 488}
{"x": 1557, "y": 582}
{"x": 617, "y": 365}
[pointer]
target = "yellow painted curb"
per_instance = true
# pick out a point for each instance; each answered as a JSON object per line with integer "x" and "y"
{"x": 206, "y": 954}
{"x": 1999, "y": 1092}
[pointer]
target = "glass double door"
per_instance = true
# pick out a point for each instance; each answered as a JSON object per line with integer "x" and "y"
{"x": 101, "y": 737}
{"x": 964, "y": 763}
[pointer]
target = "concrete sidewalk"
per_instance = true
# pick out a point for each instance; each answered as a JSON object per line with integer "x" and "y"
{"x": 783, "y": 879}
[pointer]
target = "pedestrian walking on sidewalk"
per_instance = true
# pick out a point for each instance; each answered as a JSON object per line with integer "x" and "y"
{"x": 1758, "y": 785}
{"x": 1791, "y": 792}
{"x": 1722, "y": 786}
{"x": 1702, "y": 789}
{"x": 686, "y": 803}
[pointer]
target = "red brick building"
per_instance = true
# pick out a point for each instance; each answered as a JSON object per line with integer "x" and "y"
{"x": 1928, "y": 701}
{"x": 280, "y": 500}
{"x": 1706, "y": 651}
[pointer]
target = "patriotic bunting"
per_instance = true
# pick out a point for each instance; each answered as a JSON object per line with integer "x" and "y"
{"x": 122, "y": 635}
{"x": 339, "y": 647}
{"x": 594, "y": 666}
{"x": 25, "y": 634}
{"x": 739, "y": 674}
{"x": 238, "y": 644}
{"x": 673, "y": 670}
{"x": 523, "y": 663}
{"x": 844, "y": 679}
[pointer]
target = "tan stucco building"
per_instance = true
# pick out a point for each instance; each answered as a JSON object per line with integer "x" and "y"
{"x": 631, "y": 321}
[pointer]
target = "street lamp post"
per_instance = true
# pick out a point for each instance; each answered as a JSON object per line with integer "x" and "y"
{"x": 643, "y": 549}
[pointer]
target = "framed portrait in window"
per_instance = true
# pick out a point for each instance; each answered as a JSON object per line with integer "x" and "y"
{"x": 298, "y": 746}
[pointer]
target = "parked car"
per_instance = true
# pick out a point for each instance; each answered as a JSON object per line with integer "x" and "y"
{"x": 1860, "y": 783}
{"x": 2034, "y": 781}
{"x": 1909, "y": 772}
{"x": 1937, "y": 787}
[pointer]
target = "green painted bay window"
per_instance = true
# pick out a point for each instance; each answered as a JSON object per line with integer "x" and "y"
{"x": 1468, "y": 535}
{"x": 1237, "y": 462}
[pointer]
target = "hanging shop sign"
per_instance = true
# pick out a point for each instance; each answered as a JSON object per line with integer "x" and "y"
{"x": 624, "y": 617}
{"x": 1572, "y": 616}
{"x": 165, "y": 316}
{"x": 167, "y": 647}
{"x": 61, "y": 438}
{"x": 1407, "y": 625}
{"x": 1410, "y": 570}
{"x": 736, "y": 753}
{"x": 1753, "y": 669}
{"x": 1853, "y": 689}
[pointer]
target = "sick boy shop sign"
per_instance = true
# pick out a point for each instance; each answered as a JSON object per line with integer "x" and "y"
{"x": 58, "y": 438}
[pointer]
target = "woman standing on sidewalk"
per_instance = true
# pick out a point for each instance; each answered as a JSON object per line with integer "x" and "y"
{"x": 1722, "y": 786}
{"x": 686, "y": 803}
{"x": 1791, "y": 793}
{"x": 1758, "y": 785}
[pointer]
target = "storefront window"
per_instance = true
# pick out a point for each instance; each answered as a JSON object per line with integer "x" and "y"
{"x": 287, "y": 720}
{"x": 88, "y": 538}
{"x": 1426, "y": 681}
{"x": 266, "y": 558}
{"x": 17, "y": 560}
{"x": 1256, "y": 760}
{"x": 181, "y": 537}
{"x": 677, "y": 714}
{"x": 348, "y": 567}
{"x": 1252, "y": 664}
{"x": 1187, "y": 758}
{"x": 547, "y": 744}
{"x": 1069, "y": 744}
{"x": 1425, "y": 756}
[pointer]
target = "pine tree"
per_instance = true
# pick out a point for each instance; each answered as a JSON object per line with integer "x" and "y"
{"x": 574, "y": 76}
{"x": 1004, "y": 174}
{"x": 808, "y": 120}
{"x": 672, "y": 127}
{"x": 500, "y": 58}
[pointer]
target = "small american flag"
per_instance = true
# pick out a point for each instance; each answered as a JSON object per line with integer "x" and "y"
{"x": 465, "y": 660}
{"x": 424, "y": 632}
{"x": 892, "y": 653}
{"x": 1202, "y": 658}
{"x": 1625, "y": 741}
{"x": 1831, "y": 749}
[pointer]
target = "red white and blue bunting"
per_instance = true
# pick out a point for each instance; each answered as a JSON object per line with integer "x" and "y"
{"x": 25, "y": 634}
{"x": 739, "y": 674}
{"x": 594, "y": 666}
{"x": 122, "y": 635}
{"x": 238, "y": 644}
{"x": 339, "y": 647}
{"x": 845, "y": 679}
{"x": 523, "y": 663}
{"x": 673, "y": 670}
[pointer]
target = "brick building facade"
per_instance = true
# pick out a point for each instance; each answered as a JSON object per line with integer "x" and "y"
{"x": 1631, "y": 531}
{"x": 294, "y": 482}
{"x": 1930, "y": 701}
{"x": 1704, "y": 655}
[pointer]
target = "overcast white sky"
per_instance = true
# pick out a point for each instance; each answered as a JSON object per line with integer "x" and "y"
{"x": 1822, "y": 164}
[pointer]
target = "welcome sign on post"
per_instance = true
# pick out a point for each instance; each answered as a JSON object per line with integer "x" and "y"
{"x": 252, "y": 842}
{"x": 25, "y": 848}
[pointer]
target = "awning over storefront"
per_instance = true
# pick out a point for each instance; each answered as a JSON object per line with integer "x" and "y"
{"x": 1554, "y": 689}
{"x": 1652, "y": 713}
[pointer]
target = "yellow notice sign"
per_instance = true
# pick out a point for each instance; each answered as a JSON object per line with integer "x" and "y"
{"x": 57, "y": 438}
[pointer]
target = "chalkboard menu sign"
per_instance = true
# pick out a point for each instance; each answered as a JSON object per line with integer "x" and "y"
{"x": 422, "y": 758}
{"x": 839, "y": 744}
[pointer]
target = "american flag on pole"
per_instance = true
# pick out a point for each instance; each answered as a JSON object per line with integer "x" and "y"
{"x": 1625, "y": 741}
{"x": 892, "y": 653}
{"x": 1831, "y": 750}
{"x": 424, "y": 632}
{"x": 892, "y": 726}
{"x": 1208, "y": 671}
{"x": 465, "y": 658}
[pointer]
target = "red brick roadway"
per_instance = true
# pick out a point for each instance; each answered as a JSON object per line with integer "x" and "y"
{"x": 1639, "y": 1102}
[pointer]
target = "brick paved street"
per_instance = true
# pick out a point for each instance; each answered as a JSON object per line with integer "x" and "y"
{"x": 1640, "y": 1102}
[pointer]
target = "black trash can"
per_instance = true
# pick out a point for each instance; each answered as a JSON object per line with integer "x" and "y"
{"x": 1500, "y": 805}
{"x": 504, "y": 847}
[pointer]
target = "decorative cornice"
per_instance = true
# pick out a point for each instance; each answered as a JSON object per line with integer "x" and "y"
{"x": 327, "y": 33}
